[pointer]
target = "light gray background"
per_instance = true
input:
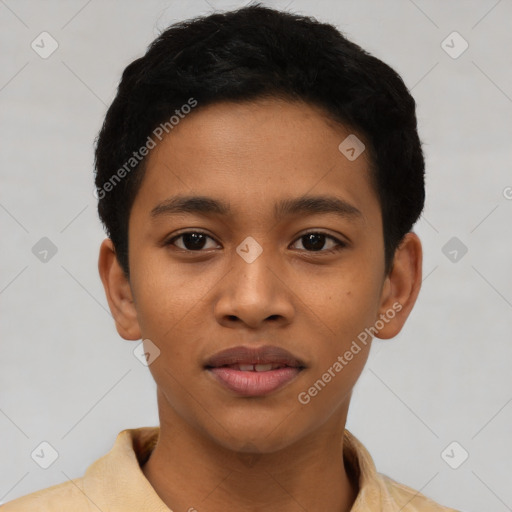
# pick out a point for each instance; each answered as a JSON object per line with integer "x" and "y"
{"x": 67, "y": 378}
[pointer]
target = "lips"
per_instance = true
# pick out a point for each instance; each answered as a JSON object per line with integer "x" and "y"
{"x": 254, "y": 372}
{"x": 272, "y": 355}
{"x": 255, "y": 367}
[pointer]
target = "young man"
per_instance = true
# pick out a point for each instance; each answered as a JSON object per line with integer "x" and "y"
{"x": 258, "y": 176}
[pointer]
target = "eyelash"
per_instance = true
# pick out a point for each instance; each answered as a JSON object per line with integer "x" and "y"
{"x": 340, "y": 244}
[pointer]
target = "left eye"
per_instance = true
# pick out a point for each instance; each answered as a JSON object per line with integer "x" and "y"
{"x": 315, "y": 242}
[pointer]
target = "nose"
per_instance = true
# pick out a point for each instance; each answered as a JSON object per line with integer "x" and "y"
{"x": 254, "y": 294}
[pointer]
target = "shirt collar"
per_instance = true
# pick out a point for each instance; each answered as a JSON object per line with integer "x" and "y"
{"x": 111, "y": 489}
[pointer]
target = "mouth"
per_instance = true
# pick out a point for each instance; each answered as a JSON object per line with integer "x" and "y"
{"x": 254, "y": 372}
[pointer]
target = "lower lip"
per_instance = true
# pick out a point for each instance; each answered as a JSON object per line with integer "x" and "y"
{"x": 254, "y": 383}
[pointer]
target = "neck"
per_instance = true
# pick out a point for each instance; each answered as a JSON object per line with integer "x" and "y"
{"x": 189, "y": 471}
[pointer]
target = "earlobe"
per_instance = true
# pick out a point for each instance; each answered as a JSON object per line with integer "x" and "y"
{"x": 401, "y": 287}
{"x": 118, "y": 292}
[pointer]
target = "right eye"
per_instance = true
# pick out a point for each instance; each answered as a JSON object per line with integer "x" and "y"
{"x": 192, "y": 241}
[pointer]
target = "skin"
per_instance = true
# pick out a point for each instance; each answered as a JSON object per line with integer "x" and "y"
{"x": 218, "y": 450}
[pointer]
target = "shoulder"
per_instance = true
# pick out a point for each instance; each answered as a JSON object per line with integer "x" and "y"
{"x": 409, "y": 499}
{"x": 58, "y": 498}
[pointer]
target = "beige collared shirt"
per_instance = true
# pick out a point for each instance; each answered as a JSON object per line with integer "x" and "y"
{"x": 116, "y": 483}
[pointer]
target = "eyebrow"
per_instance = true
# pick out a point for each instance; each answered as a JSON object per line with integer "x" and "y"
{"x": 305, "y": 205}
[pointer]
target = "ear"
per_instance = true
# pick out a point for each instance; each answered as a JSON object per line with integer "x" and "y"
{"x": 118, "y": 292}
{"x": 401, "y": 287}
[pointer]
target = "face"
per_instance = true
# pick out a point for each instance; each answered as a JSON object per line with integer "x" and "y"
{"x": 284, "y": 251}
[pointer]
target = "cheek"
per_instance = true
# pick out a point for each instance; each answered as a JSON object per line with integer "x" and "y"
{"x": 346, "y": 304}
{"x": 164, "y": 295}
{"x": 169, "y": 313}
{"x": 342, "y": 347}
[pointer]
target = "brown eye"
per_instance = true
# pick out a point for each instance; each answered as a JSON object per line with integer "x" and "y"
{"x": 192, "y": 241}
{"x": 315, "y": 242}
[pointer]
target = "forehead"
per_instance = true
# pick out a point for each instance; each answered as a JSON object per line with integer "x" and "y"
{"x": 255, "y": 153}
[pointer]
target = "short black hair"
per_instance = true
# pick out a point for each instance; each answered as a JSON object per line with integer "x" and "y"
{"x": 258, "y": 52}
